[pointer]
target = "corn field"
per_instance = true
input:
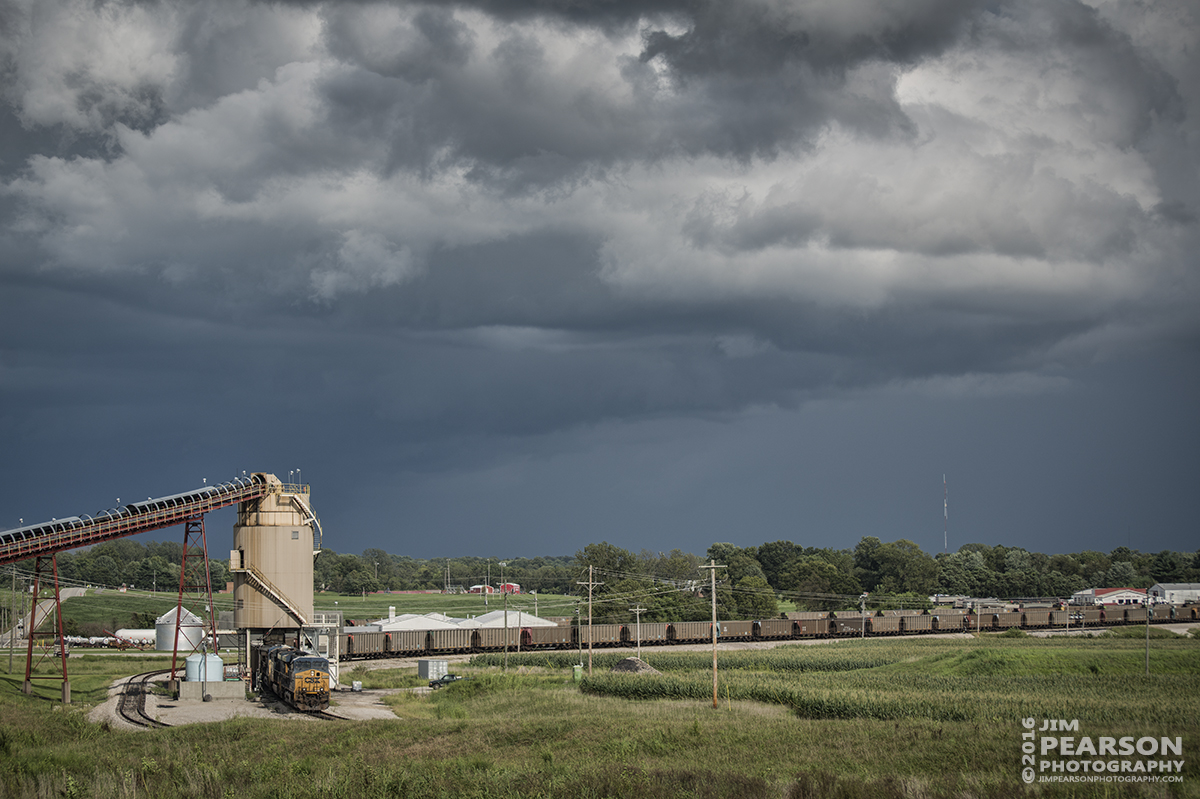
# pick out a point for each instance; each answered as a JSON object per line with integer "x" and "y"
{"x": 1097, "y": 681}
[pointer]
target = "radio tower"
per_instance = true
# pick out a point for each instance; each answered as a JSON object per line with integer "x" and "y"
{"x": 945, "y": 515}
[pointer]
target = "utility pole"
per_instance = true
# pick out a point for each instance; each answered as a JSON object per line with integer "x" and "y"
{"x": 12, "y": 618}
{"x": 638, "y": 612}
{"x": 712, "y": 590}
{"x": 1148, "y": 612}
{"x": 504, "y": 590}
{"x": 863, "y": 603}
{"x": 591, "y": 583}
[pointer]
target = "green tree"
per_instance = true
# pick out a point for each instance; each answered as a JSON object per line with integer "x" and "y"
{"x": 755, "y": 599}
{"x": 1121, "y": 575}
{"x": 774, "y": 559}
{"x": 739, "y": 562}
{"x": 903, "y": 567}
{"x": 607, "y": 558}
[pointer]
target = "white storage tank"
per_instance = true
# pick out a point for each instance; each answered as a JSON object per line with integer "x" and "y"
{"x": 191, "y": 631}
{"x": 138, "y": 637}
{"x": 204, "y": 668}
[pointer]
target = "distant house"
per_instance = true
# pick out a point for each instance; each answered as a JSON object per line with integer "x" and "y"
{"x": 510, "y": 588}
{"x": 1109, "y": 596}
{"x": 481, "y": 589}
{"x": 1175, "y": 593}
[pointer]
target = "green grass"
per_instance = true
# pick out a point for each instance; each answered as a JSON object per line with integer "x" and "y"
{"x": 850, "y": 719}
{"x": 114, "y": 610}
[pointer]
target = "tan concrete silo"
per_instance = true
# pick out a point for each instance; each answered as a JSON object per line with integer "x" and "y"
{"x": 272, "y": 560}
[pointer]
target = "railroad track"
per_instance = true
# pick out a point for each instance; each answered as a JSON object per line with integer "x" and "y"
{"x": 327, "y": 716}
{"x": 131, "y": 704}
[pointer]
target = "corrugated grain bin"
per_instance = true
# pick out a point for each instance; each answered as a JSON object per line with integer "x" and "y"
{"x": 736, "y": 630}
{"x": 773, "y": 628}
{"x": 191, "y": 631}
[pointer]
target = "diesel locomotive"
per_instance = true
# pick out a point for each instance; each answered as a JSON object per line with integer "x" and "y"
{"x": 299, "y": 678}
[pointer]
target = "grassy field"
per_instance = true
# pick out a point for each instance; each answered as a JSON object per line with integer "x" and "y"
{"x": 895, "y": 718}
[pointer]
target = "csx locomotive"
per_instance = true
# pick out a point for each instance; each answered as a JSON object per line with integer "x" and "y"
{"x": 299, "y": 678}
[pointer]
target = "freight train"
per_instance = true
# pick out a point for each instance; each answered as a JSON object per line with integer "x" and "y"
{"x": 299, "y": 678}
{"x": 357, "y": 645}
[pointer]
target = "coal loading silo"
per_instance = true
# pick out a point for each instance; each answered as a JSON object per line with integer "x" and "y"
{"x": 272, "y": 559}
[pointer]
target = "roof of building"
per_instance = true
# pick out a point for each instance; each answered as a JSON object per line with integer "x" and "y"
{"x": 185, "y": 615}
{"x": 1103, "y": 591}
{"x": 516, "y": 618}
{"x": 1178, "y": 586}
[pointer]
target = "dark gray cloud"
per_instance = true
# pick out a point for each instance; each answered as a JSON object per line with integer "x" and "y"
{"x": 563, "y": 269}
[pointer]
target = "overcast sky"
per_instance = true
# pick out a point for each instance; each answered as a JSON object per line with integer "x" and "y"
{"x": 507, "y": 277}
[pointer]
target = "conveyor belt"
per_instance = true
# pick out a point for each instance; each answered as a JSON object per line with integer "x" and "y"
{"x": 139, "y": 517}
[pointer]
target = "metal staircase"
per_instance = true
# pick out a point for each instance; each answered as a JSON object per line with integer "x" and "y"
{"x": 265, "y": 586}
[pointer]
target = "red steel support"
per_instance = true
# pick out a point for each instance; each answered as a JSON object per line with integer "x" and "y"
{"x": 195, "y": 543}
{"x": 34, "y": 622}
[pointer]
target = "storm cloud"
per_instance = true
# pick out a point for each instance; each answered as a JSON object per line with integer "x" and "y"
{"x": 670, "y": 272}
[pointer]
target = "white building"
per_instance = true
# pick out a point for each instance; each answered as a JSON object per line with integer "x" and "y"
{"x": 1175, "y": 593}
{"x": 1109, "y": 596}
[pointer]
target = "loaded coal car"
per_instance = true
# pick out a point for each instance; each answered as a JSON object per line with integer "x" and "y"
{"x": 947, "y": 622}
{"x": 770, "y": 629}
{"x": 650, "y": 632}
{"x": 299, "y": 678}
{"x": 814, "y": 627}
{"x": 545, "y": 637}
{"x": 689, "y": 632}
{"x": 735, "y": 630}
{"x": 886, "y": 625}
{"x": 600, "y": 634}
{"x": 368, "y": 644}
{"x": 919, "y": 624}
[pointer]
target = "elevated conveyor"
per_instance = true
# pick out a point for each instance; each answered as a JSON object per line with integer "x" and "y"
{"x": 58, "y": 535}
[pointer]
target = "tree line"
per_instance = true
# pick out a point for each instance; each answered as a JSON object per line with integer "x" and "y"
{"x": 672, "y": 585}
